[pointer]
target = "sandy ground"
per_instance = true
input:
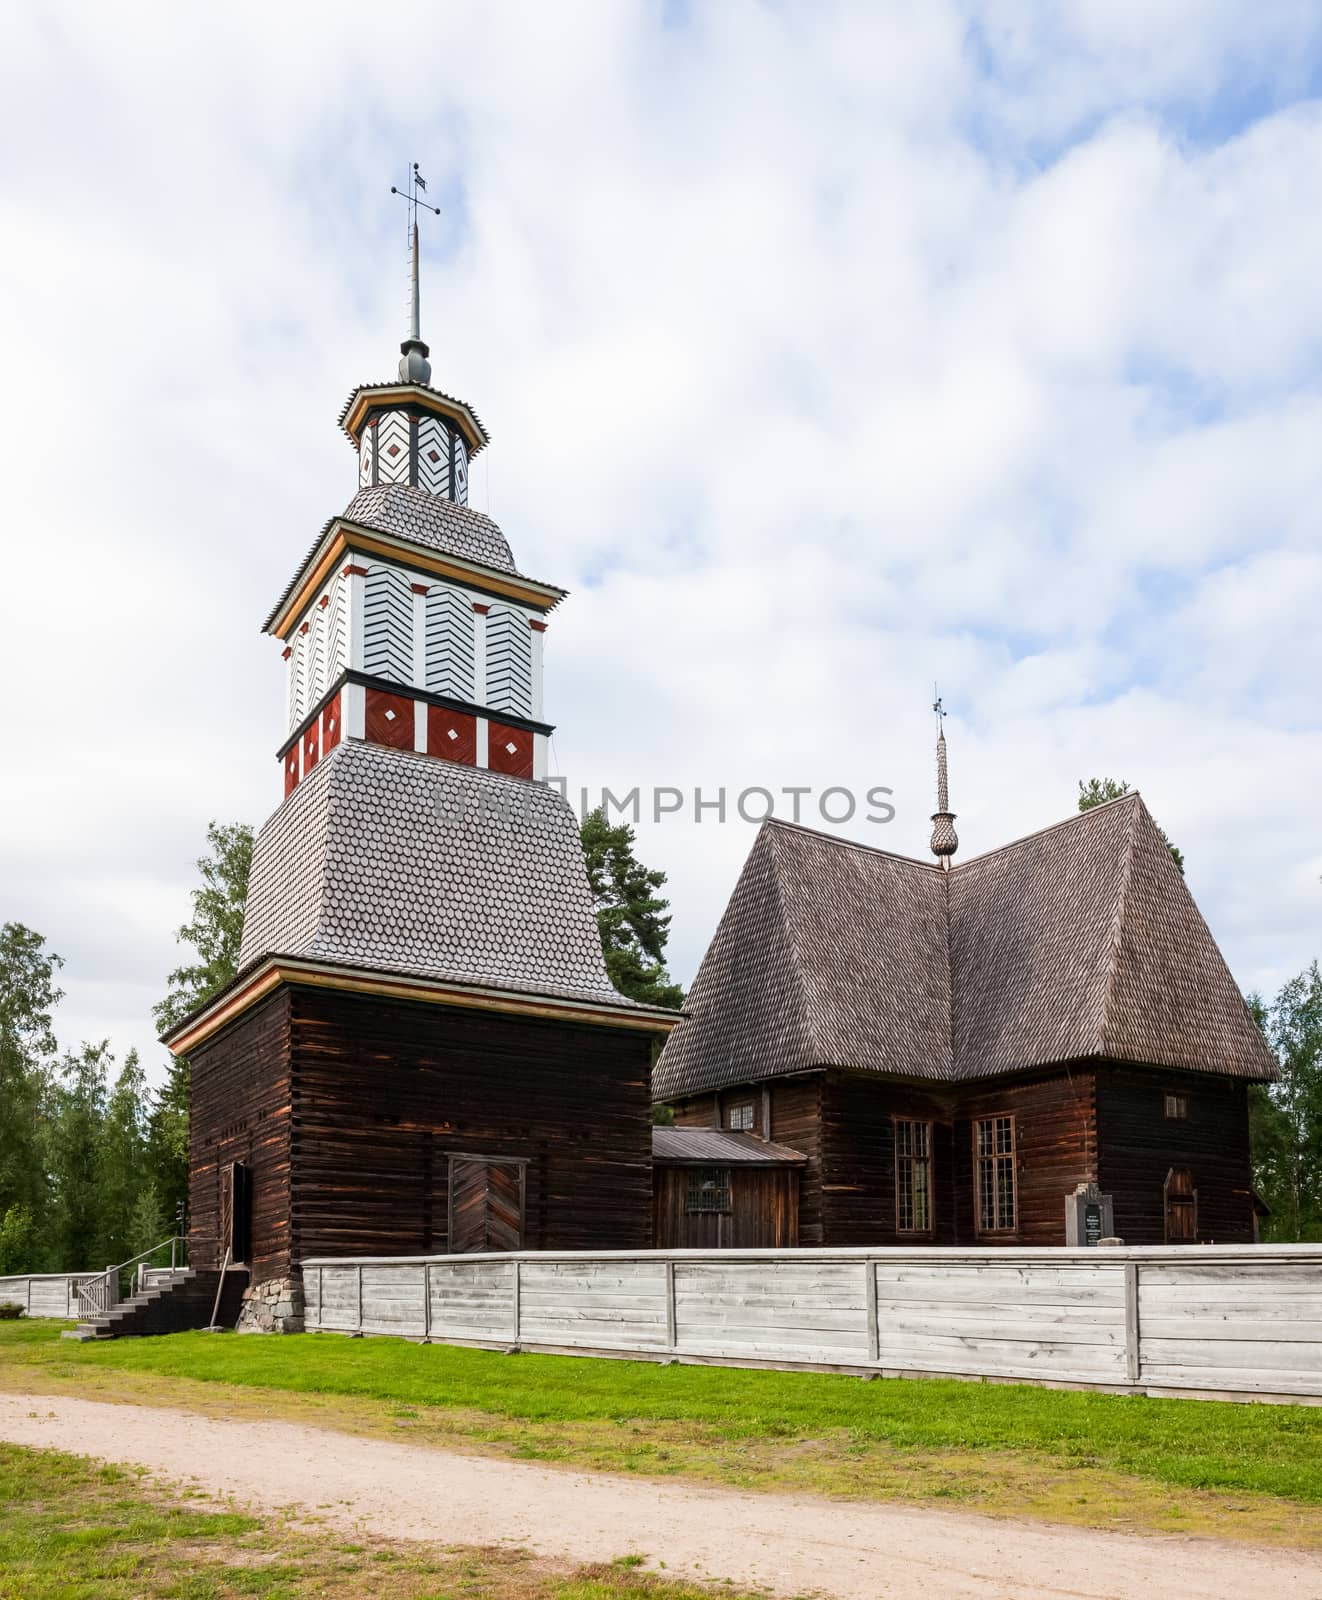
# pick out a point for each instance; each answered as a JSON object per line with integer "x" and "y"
{"x": 788, "y": 1544}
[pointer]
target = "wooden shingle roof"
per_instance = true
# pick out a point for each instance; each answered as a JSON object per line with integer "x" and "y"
{"x": 1080, "y": 941}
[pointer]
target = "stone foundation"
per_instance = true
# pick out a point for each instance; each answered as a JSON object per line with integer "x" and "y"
{"x": 274, "y": 1306}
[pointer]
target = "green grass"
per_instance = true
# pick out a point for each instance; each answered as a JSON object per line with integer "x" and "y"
{"x": 72, "y": 1530}
{"x": 1070, "y": 1455}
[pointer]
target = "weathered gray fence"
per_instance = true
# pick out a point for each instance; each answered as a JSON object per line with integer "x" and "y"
{"x": 46, "y": 1294}
{"x": 1202, "y": 1319}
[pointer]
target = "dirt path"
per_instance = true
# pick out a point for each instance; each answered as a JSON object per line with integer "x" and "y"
{"x": 790, "y": 1545}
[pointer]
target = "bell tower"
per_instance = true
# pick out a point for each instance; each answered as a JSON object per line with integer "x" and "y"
{"x": 409, "y": 624}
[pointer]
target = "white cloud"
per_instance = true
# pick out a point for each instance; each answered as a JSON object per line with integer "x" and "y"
{"x": 828, "y": 350}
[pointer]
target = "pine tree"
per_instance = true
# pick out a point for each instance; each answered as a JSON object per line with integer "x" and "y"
{"x": 214, "y": 932}
{"x": 73, "y": 1154}
{"x": 630, "y": 913}
{"x": 1097, "y": 791}
{"x": 28, "y": 995}
{"x": 1285, "y": 1118}
{"x": 123, "y": 1168}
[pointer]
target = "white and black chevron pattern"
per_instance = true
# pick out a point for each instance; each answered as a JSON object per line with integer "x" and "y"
{"x": 434, "y": 456}
{"x": 296, "y": 686}
{"x": 460, "y": 495}
{"x": 365, "y": 450}
{"x": 451, "y": 647}
{"x": 337, "y": 629}
{"x": 315, "y": 672}
{"x": 509, "y": 661}
{"x": 392, "y": 448}
{"x": 388, "y": 625}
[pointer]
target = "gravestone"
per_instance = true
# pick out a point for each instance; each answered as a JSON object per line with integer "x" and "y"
{"x": 1089, "y": 1217}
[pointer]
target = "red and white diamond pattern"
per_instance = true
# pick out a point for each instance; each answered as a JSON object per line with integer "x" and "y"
{"x": 392, "y": 446}
{"x": 433, "y": 456}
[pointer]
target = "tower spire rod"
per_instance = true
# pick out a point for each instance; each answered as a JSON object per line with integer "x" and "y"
{"x": 945, "y": 841}
{"x": 414, "y": 366}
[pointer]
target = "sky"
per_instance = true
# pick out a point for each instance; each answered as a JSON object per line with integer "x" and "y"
{"x": 829, "y": 351}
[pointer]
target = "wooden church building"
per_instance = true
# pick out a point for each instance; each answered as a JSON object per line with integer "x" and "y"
{"x": 421, "y": 1050}
{"x": 952, "y": 1050}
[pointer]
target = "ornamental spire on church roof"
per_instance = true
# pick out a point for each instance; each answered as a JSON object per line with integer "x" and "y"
{"x": 945, "y": 841}
{"x": 413, "y": 364}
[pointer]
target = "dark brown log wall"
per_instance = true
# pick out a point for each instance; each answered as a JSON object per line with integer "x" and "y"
{"x": 763, "y": 1211}
{"x": 1055, "y": 1149}
{"x": 240, "y": 1112}
{"x": 857, "y": 1160}
{"x": 384, "y": 1091}
{"x": 1139, "y": 1146}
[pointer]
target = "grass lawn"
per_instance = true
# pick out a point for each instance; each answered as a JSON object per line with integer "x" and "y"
{"x": 1246, "y": 1471}
{"x": 72, "y": 1530}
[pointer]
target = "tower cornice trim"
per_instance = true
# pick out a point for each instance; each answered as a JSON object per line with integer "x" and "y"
{"x": 344, "y": 537}
{"x": 371, "y": 397}
{"x": 241, "y": 996}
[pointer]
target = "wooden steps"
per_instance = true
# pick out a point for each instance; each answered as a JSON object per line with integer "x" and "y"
{"x": 186, "y": 1301}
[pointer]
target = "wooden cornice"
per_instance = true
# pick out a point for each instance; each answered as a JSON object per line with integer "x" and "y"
{"x": 344, "y": 537}
{"x": 231, "y": 1003}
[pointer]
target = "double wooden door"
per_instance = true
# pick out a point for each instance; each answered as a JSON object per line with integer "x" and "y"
{"x": 486, "y": 1204}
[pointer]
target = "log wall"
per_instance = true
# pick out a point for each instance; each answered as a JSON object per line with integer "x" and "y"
{"x": 1184, "y": 1320}
{"x": 764, "y": 1211}
{"x": 386, "y": 1091}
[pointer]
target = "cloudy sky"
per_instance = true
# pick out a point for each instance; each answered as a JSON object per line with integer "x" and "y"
{"x": 828, "y": 350}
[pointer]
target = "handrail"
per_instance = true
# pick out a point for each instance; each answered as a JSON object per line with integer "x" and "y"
{"x": 94, "y": 1291}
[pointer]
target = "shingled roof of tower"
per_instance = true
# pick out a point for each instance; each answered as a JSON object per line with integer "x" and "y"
{"x": 430, "y": 519}
{"x": 1080, "y": 941}
{"x": 423, "y": 519}
{"x": 394, "y": 862}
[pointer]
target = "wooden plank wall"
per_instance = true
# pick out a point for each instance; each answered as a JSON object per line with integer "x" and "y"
{"x": 44, "y": 1294}
{"x": 764, "y": 1206}
{"x": 385, "y": 1091}
{"x": 240, "y": 1111}
{"x": 858, "y": 1160}
{"x": 1139, "y": 1145}
{"x": 1180, "y": 1320}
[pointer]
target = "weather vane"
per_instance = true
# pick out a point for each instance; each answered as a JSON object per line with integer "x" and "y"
{"x": 938, "y": 708}
{"x": 417, "y": 184}
{"x": 413, "y": 365}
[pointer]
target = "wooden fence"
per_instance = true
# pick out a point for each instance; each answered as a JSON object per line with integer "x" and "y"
{"x": 1212, "y": 1320}
{"x": 46, "y": 1294}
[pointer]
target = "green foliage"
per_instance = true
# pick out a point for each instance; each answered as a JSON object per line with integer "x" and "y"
{"x": 76, "y": 1122}
{"x": 18, "y": 1240}
{"x": 216, "y": 927}
{"x": 1097, "y": 791}
{"x": 1286, "y": 1117}
{"x": 28, "y": 996}
{"x": 215, "y": 932}
{"x": 630, "y": 913}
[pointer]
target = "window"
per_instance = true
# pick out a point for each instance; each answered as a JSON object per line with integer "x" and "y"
{"x": 993, "y": 1148}
{"x": 739, "y": 1119}
{"x": 1181, "y": 1207}
{"x": 913, "y": 1177}
{"x": 709, "y": 1189}
{"x": 1177, "y": 1107}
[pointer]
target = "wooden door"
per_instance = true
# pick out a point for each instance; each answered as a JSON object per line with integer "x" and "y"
{"x": 486, "y": 1204}
{"x": 235, "y": 1212}
{"x": 1181, "y": 1207}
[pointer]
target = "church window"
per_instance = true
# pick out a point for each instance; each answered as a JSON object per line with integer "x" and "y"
{"x": 1177, "y": 1107}
{"x": 993, "y": 1148}
{"x": 739, "y": 1119}
{"x": 913, "y": 1177}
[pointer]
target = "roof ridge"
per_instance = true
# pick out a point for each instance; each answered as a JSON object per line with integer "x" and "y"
{"x": 849, "y": 844}
{"x": 1129, "y": 795}
{"x": 806, "y": 1029}
{"x": 1119, "y": 917}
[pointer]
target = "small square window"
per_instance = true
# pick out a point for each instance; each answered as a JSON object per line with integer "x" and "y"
{"x": 709, "y": 1189}
{"x": 1177, "y": 1107}
{"x": 739, "y": 1119}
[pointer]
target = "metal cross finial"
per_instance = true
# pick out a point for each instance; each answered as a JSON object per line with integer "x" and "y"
{"x": 413, "y": 365}
{"x": 939, "y": 709}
